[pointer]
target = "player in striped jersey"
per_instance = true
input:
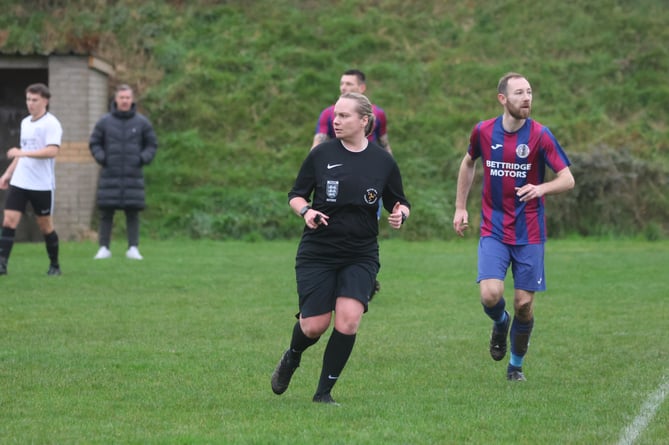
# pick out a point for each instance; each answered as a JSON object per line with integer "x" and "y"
{"x": 352, "y": 81}
{"x": 515, "y": 151}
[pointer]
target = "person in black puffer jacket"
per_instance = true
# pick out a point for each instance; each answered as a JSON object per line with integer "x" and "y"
{"x": 122, "y": 143}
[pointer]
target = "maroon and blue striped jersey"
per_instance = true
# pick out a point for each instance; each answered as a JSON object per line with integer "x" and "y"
{"x": 512, "y": 160}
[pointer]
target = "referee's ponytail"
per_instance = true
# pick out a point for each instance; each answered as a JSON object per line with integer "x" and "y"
{"x": 364, "y": 108}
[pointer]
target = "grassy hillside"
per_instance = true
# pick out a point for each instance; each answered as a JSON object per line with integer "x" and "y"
{"x": 235, "y": 89}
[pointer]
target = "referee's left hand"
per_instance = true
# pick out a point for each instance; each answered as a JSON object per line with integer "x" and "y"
{"x": 395, "y": 217}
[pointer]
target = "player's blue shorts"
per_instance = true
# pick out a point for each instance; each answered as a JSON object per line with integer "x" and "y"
{"x": 526, "y": 261}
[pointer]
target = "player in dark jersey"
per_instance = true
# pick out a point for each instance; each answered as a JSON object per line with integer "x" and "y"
{"x": 354, "y": 81}
{"x": 515, "y": 151}
{"x": 338, "y": 256}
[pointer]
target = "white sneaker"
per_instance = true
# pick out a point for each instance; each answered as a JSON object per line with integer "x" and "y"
{"x": 133, "y": 253}
{"x": 103, "y": 253}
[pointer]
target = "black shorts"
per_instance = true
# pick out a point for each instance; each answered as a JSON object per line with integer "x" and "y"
{"x": 41, "y": 200}
{"x": 319, "y": 285}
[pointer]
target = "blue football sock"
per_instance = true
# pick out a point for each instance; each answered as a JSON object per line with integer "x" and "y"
{"x": 502, "y": 321}
{"x": 516, "y": 361}
{"x": 520, "y": 340}
{"x": 497, "y": 313}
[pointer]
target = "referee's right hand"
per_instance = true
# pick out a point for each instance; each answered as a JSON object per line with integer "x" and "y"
{"x": 314, "y": 218}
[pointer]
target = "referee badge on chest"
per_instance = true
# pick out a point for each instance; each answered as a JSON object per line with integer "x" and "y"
{"x": 371, "y": 196}
{"x": 332, "y": 190}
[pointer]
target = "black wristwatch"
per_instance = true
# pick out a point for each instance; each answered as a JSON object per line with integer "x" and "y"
{"x": 404, "y": 217}
{"x": 304, "y": 210}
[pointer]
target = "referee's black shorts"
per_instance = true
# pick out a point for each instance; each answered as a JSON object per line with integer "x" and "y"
{"x": 319, "y": 285}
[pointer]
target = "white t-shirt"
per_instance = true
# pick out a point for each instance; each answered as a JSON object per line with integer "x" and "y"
{"x": 34, "y": 173}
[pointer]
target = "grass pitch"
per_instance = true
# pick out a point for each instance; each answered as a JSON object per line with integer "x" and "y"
{"x": 179, "y": 348}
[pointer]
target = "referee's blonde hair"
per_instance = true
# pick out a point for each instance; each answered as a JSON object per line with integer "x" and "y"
{"x": 363, "y": 108}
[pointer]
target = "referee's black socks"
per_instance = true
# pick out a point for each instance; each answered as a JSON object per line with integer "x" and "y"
{"x": 337, "y": 352}
{"x": 299, "y": 342}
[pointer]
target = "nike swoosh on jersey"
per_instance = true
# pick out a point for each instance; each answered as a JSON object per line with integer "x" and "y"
{"x": 334, "y": 166}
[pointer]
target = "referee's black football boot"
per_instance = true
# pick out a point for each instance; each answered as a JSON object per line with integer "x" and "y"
{"x": 284, "y": 371}
{"x": 3, "y": 266}
{"x": 325, "y": 398}
{"x": 498, "y": 339}
{"x": 54, "y": 270}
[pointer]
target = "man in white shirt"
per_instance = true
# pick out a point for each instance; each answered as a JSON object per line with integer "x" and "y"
{"x": 30, "y": 177}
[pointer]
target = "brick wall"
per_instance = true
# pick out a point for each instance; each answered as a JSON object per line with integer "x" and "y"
{"x": 79, "y": 98}
{"x": 76, "y": 183}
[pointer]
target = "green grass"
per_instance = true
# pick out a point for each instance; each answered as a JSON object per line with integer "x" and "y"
{"x": 179, "y": 348}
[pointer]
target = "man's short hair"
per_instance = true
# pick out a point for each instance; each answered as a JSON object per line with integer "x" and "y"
{"x": 504, "y": 81}
{"x": 359, "y": 74}
{"x": 39, "y": 88}
{"x": 124, "y": 87}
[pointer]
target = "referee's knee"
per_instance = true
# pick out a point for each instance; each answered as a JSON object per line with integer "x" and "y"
{"x": 347, "y": 326}
{"x": 314, "y": 327}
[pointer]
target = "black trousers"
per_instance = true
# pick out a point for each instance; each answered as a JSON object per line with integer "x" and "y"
{"x": 107, "y": 222}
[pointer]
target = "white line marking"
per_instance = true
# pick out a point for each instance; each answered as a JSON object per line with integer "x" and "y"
{"x": 648, "y": 410}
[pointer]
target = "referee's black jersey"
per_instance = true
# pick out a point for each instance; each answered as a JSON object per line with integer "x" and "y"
{"x": 347, "y": 186}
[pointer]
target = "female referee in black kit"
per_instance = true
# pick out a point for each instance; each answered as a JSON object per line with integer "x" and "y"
{"x": 338, "y": 256}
